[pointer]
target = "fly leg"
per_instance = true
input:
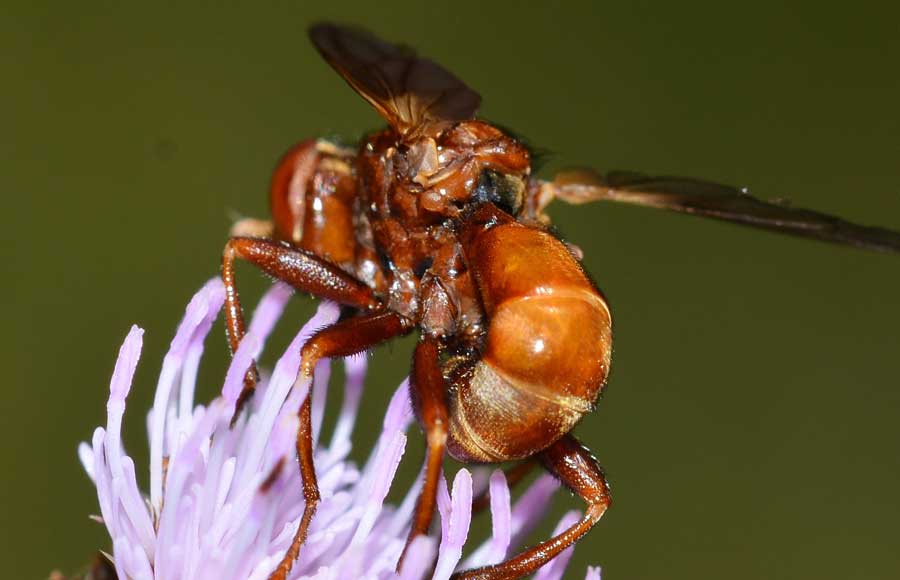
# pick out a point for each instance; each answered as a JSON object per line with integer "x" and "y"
{"x": 342, "y": 339}
{"x": 301, "y": 269}
{"x": 573, "y": 464}
{"x": 429, "y": 398}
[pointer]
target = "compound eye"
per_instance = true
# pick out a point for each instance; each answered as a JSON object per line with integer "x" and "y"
{"x": 505, "y": 191}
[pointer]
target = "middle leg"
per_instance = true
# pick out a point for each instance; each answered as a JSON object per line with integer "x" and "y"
{"x": 342, "y": 339}
{"x": 428, "y": 394}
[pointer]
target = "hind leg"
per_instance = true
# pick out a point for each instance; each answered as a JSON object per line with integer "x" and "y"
{"x": 573, "y": 464}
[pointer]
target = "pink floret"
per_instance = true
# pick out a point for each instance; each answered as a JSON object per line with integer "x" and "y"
{"x": 208, "y": 514}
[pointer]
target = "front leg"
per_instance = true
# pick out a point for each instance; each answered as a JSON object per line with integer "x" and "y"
{"x": 301, "y": 269}
{"x": 577, "y": 469}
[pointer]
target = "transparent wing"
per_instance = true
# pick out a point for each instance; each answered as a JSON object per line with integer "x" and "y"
{"x": 707, "y": 199}
{"x": 415, "y": 95}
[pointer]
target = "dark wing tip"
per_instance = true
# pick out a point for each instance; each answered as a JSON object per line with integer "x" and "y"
{"x": 412, "y": 93}
{"x": 331, "y": 37}
{"x": 317, "y": 29}
{"x": 322, "y": 34}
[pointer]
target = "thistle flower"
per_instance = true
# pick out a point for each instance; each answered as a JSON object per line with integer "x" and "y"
{"x": 225, "y": 501}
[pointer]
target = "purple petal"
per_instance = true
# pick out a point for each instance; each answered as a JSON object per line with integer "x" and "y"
{"x": 247, "y": 351}
{"x": 444, "y": 504}
{"x": 531, "y": 506}
{"x": 103, "y": 481}
{"x": 119, "y": 464}
{"x": 194, "y": 316}
{"x": 135, "y": 507}
{"x": 214, "y": 519}
{"x": 320, "y": 397}
{"x": 386, "y": 467}
{"x": 399, "y": 413}
{"x": 355, "y": 371}
{"x": 280, "y": 384}
{"x": 458, "y": 526}
{"x": 86, "y": 456}
{"x": 399, "y": 523}
{"x": 418, "y": 559}
{"x": 129, "y": 354}
{"x": 494, "y": 550}
{"x": 269, "y": 310}
{"x": 215, "y": 296}
{"x": 131, "y": 561}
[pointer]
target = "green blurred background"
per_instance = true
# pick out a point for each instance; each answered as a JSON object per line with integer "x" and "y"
{"x": 750, "y": 429}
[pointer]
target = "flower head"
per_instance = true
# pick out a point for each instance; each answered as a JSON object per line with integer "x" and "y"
{"x": 225, "y": 500}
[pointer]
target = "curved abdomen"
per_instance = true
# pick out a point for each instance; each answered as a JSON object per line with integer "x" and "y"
{"x": 547, "y": 349}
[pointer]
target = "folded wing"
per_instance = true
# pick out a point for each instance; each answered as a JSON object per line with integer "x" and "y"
{"x": 713, "y": 200}
{"x": 415, "y": 95}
